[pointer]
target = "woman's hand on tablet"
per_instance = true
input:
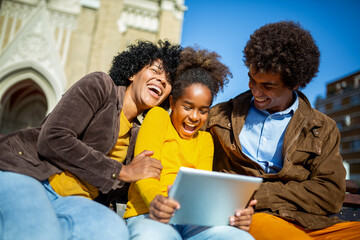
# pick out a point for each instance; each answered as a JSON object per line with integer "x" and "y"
{"x": 162, "y": 208}
{"x": 242, "y": 218}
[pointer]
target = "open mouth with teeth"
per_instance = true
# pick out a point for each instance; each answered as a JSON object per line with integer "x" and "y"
{"x": 155, "y": 90}
{"x": 189, "y": 128}
{"x": 260, "y": 99}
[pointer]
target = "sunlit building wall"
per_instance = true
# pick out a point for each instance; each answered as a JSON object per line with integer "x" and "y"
{"x": 46, "y": 46}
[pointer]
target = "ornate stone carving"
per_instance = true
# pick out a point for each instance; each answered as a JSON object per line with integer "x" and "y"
{"x": 144, "y": 14}
{"x": 12, "y": 9}
{"x": 34, "y": 46}
{"x": 176, "y": 7}
{"x": 63, "y": 14}
{"x": 139, "y": 14}
{"x": 68, "y": 6}
{"x": 63, "y": 20}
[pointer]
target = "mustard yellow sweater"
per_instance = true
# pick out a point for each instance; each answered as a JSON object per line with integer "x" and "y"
{"x": 158, "y": 134}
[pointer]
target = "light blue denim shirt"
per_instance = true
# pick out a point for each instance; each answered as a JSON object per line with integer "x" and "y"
{"x": 262, "y": 136}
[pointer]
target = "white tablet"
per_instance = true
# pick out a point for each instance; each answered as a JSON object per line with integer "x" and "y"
{"x": 209, "y": 198}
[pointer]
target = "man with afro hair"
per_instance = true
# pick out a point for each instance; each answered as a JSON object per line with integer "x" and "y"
{"x": 271, "y": 131}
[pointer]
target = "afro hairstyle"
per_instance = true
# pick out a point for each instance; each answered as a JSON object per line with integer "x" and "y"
{"x": 143, "y": 53}
{"x": 286, "y": 48}
{"x": 200, "y": 67}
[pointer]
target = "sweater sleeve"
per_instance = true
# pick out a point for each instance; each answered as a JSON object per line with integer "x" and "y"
{"x": 151, "y": 137}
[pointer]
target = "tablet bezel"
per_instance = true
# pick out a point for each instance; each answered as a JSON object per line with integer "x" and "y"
{"x": 194, "y": 189}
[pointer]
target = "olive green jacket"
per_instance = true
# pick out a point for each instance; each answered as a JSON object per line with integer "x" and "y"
{"x": 311, "y": 185}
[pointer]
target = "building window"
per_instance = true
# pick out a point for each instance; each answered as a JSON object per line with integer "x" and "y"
{"x": 345, "y": 101}
{"x": 355, "y": 145}
{"x": 355, "y": 120}
{"x": 329, "y": 107}
{"x": 355, "y": 99}
{"x": 345, "y": 146}
{"x": 337, "y": 104}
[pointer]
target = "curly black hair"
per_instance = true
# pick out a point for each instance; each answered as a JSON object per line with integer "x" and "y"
{"x": 143, "y": 53}
{"x": 286, "y": 48}
{"x": 202, "y": 67}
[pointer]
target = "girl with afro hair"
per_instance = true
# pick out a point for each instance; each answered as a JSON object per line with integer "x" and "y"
{"x": 177, "y": 141}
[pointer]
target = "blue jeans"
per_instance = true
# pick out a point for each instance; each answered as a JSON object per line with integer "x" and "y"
{"x": 143, "y": 228}
{"x": 30, "y": 209}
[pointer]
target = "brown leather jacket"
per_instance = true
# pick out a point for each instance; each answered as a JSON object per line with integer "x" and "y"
{"x": 76, "y": 136}
{"x": 311, "y": 184}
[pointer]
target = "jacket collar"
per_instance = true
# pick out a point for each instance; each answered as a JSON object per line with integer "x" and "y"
{"x": 121, "y": 95}
{"x": 304, "y": 113}
{"x": 232, "y": 114}
{"x": 241, "y": 108}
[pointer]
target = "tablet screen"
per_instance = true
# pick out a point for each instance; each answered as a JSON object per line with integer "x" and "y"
{"x": 209, "y": 198}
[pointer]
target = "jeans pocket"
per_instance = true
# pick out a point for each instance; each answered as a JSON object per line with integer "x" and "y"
{"x": 50, "y": 191}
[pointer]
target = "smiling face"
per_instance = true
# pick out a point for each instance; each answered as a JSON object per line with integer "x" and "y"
{"x": 190, "y": 110}
{"x": 269, "y": 91}
{"x": 149, "y": 87}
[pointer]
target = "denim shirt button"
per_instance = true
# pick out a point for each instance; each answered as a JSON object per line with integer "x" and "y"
{"x": 113, "y": 176}
{"x": 232, "y": 146}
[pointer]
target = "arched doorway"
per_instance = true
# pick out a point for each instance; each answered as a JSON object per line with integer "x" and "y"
{"x": 23, "y": 105}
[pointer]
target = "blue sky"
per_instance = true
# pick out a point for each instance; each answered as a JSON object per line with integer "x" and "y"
{"x": 225, "y": 26}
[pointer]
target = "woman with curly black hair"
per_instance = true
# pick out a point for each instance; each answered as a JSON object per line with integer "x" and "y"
{"x": 271, "y": 131}
{"x": 50, "y": 174}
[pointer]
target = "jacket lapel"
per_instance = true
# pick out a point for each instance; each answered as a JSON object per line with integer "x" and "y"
{"x": 238, "y": 116}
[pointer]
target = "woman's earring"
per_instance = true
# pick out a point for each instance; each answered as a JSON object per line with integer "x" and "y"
{"x": 131, "y": 78}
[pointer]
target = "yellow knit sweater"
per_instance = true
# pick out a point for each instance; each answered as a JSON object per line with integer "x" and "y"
{"x": 158, "y": 134}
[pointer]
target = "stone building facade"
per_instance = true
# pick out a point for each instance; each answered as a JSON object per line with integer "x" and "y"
{"x": 46, "y": 46}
